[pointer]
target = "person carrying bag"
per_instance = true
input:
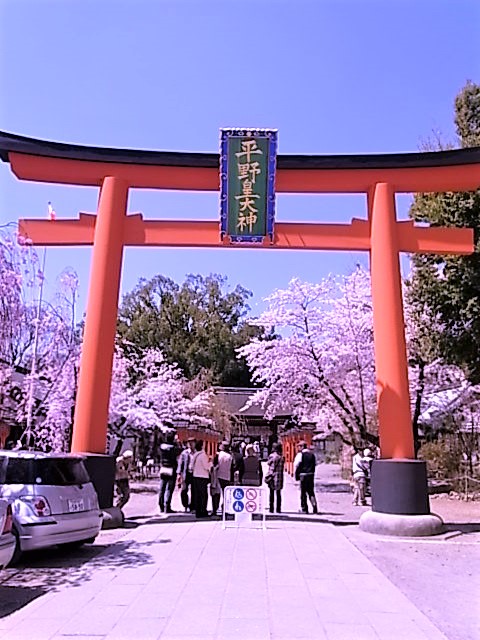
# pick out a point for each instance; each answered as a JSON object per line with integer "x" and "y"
{"x": 274, "y": 477}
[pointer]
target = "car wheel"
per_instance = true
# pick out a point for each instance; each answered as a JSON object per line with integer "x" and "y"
{"x": 18, "y": 550}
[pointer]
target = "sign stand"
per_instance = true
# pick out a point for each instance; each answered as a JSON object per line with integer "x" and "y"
{"x": 243, "y": 503}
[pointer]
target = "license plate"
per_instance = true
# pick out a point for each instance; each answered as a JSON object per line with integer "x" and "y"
{"x": 75, "y": 505}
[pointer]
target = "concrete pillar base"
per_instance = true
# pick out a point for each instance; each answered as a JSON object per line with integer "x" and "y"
{"x": 101, "y": 469}
{"x": 400, "y": 487}
{"x": 113, "y": 518}
{"x": 389, "y": 524}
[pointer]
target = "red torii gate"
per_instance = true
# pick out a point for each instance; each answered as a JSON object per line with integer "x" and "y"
{"x": 379, "y": 176}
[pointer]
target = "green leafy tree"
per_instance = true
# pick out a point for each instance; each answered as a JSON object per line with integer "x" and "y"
{"x": 446, "y": 289}
{"x": 198, "y": 325}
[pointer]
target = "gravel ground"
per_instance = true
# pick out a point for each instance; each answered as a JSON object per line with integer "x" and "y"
{"x": 452, "y": 509}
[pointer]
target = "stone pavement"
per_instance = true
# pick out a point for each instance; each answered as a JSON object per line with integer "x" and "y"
{"x": 173, "y": 578}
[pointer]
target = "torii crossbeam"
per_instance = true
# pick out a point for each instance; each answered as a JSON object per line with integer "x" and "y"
{"x": 380, "y": 177}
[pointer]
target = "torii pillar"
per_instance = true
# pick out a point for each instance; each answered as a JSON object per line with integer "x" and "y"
{"x": 399, "y": 485}
{"x": 100, "y": 326}
{"x": 400, "y": 502}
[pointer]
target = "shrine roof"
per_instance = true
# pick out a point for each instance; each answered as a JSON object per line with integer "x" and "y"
{"x": 10, "y": 142}
{"x": 236, "y": 399}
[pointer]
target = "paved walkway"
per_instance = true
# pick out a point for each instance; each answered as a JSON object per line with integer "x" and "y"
{"x": 173, "y": 578}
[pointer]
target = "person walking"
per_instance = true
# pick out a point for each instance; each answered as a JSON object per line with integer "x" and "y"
{"x": 368, "y": 458}
{"x": 168, "y": 472}
{"x": 201, "y": 474}
{"x": 237, "y": 464}
{"x": 215, "y": 487}
{"x": 304, "y": 465}
{"x": 122, "y": 478}
{"x": 360, "y": 472}
{"x": 274, "y": 476}
{"x": 225, "y": 466}
{"x": 185, "y": 477}
{"x": 252, "y": 474}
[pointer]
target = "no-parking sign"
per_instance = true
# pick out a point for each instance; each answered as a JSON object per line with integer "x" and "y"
{"x": 243, "y": 503}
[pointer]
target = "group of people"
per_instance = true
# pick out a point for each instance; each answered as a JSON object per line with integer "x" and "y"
{"x": 239, "y": 465}
{"x": 193, "y": 471}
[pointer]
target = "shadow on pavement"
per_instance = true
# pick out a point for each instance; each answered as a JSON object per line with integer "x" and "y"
{"x": 129, "y": 523}
{"x": 189, "y": 518}
{"x": 470, "y": 527}
{"x": 14, "y": 598}
{"x": 39, "y": 572}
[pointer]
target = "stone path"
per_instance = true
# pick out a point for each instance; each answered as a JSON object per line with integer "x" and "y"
{"x": 174, "y": 578}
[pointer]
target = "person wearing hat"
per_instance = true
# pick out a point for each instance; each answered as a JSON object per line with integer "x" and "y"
{"x": 304, "y": 466}
{"x": 201, "y": 465}
{"x": 122, "y": 478}
{"x": 368, "y": 457}
{"x": 360, "y": 472}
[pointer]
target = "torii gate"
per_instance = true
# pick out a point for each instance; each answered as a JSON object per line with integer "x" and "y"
{"x": 379, "y": 176}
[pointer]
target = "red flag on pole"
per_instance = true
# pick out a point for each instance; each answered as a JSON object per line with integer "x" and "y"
{"x": 51, "y": 212}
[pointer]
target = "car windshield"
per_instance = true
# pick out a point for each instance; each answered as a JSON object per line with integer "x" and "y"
{"x": 47, "y": 471}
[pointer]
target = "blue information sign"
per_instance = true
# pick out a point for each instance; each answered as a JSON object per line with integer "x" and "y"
{"x": 242, "y": 505}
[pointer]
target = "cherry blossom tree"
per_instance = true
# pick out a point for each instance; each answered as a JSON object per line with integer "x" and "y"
{"x": 19, "y": 278}
{"x": 148, "y": 394}
{"x": 54, "y": 431}
{"x": 39, "y": 347}
{"x": 321, "y": 366}
{"x": 146, "y": 390}
{"x": 19, "y": 281}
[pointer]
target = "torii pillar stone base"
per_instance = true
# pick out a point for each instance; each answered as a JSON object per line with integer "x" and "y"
{"x": 400, "y": 504}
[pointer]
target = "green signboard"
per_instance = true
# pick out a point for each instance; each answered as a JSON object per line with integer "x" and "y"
{"x": 247, "y": 170}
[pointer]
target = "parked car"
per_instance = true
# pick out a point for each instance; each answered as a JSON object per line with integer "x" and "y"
{"x": 53, "y": 500}
{"x": 7, "y": 539}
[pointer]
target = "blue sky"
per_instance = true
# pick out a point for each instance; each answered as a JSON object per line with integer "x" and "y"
{"x": 339, "y": 76}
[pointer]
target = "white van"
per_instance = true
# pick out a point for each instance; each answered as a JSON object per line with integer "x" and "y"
{"x": 53, "y": 500}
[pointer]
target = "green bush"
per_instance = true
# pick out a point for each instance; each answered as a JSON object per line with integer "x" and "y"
{"x": 332, "y": 458}
{"x": 443, "y": 459}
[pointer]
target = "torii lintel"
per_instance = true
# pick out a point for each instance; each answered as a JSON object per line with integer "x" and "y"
{"x": 355, "y": 236}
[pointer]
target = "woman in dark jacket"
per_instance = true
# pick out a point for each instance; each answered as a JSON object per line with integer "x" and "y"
{"x": 276, "y": 463}
{"x": 252, "y": 468}
{"x": 237, "y": 465}
{"x": 168, "y": 472}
